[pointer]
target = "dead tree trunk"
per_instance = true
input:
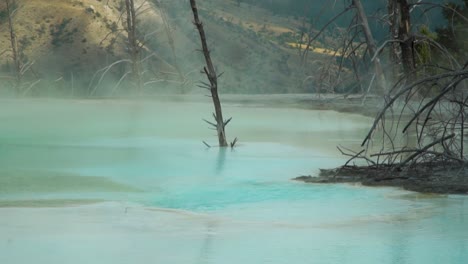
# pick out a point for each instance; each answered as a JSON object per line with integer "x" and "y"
{"x": 212, "y": 78}
{"x": 170, "y": 38}
{"x": 379, "y": 74}
{"x": 14, "y": 48}
{"x": 402, "y": 48}
{"x": 133, "y": 45}
{"x": 405, "y": 38}
{"x": 393, "y": 22}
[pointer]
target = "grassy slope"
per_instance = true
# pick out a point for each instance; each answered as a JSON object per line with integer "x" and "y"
{"x": 245, "y": 42}
{"x": 37, "y": 26}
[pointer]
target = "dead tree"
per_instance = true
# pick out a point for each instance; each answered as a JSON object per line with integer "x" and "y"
{"x": 139, "y": 49}
{"x": 438, "y": 151}
{"x": 14, "y": 48}
{"x": 428, "y": 103}
{"x": 213, "y": 81}
{"x": 422, "y": 125}
{"x": 170, "y": 38}
{"x": 405, "y": 37}
{"x": 393, "y": 22}
{"x": 134, "y": 47}
{"x": 304, "y": 53}
{"x": 354, "y": 49}
{"x": 371, "y": 46}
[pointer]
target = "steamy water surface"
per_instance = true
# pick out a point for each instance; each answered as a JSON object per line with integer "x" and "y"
{"x": 132, "y": 182}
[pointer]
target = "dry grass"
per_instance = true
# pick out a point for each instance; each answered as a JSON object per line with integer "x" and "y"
{"x": 250, "y": 50}
{"x": 321, "y": 51}
{"x": 84, "y": 40}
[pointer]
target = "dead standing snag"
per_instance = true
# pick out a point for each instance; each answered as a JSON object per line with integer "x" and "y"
{"x": 14, "y": 47}
{"x": 379, "y": 73}
{"x": 213, "y": 79}
{"x": 134, "y": 46}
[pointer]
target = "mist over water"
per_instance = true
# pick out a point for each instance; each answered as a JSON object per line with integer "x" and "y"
{"x": 169, "y": 199}
{"x": 131, "y": 180}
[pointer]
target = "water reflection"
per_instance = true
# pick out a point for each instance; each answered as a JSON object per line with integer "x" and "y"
{"x": 206, "y": 250}
{"x": 220, "y": 160}
{"x": 399, "y": 244}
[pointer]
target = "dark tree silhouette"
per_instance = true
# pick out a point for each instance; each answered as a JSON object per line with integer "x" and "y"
{"x": 213, "y": 81}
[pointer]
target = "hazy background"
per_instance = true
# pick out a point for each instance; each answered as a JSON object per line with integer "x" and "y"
{"x": 68, "y": 44}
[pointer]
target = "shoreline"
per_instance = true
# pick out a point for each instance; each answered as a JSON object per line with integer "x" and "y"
{"x": 424, "y": 178}
{"x": 351, "y": 104}
{"x": 48, "y": 203}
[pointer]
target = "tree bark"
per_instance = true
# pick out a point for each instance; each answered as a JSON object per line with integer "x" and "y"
{"x": 379, "y": 74}
{"x": 212, "y": 77}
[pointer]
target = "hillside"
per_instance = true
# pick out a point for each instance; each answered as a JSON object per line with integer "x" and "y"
{"x": 69, "y": 41}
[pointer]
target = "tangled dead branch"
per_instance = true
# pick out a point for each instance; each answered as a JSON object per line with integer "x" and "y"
{"x": 416, "y": 141}
{"x": 433, "y": 123}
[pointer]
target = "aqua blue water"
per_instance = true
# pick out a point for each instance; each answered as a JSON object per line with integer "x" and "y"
{"x": 230, "y": 206}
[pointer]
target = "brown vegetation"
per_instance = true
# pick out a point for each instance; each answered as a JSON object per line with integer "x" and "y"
{"x": 69, "y": 41}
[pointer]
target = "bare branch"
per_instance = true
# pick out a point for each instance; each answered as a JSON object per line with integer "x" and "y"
{"x": 417, "y": 153}
{"x": 211, "y": 123}
{"x": 227, "y": 121}
{"x": 233, "y": 143}
{"x": 206, "y": 144}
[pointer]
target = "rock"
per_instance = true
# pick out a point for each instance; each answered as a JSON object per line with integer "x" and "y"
{"x": 91, "y": 9}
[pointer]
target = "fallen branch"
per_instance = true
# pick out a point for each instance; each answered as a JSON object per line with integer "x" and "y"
{"x": 354, "y": 155}
{"x": 417, "y": 153}
{"x": 406, "y": 89}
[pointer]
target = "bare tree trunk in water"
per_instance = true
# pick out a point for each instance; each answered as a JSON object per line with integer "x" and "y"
{"x": 133, "y": 45}
{"x": 213, "y": 79}
{"x": 379, "y": 74}
{"x": 14, "y": 48}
